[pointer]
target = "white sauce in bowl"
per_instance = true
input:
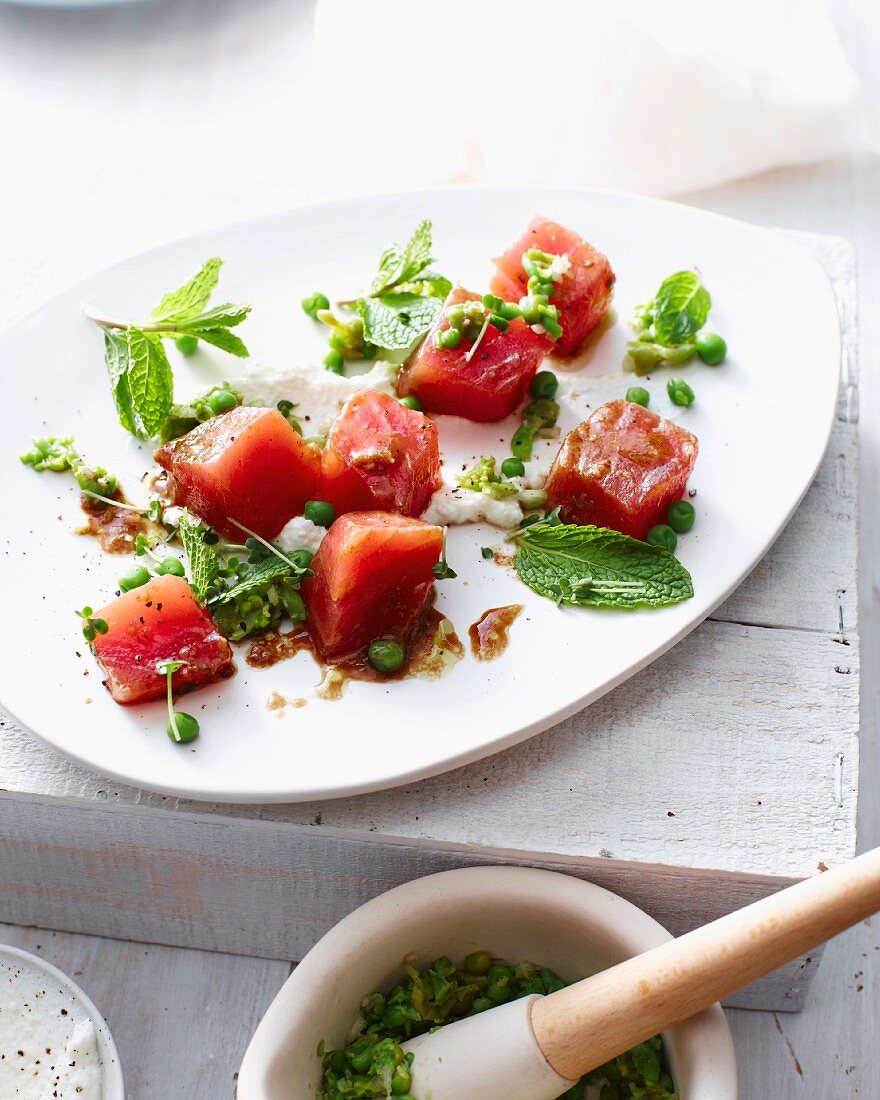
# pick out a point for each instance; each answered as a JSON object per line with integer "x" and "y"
{"x": 48, "y": 1046}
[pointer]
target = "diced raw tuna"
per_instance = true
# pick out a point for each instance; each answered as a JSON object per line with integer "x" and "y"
{"x": 372, "y": 576}
{"x": 160, "y": 621}
{"x": 247, "y": 464}
{"x": 621, "y": 468}
{"x": 488, "y": 387}
{"x": 380, "y": 455}
{"x": 582, "y": 295}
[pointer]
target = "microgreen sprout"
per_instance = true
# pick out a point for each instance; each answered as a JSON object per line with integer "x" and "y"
{"x": 91, "y": 627}
{"x": 286, "y": 408}
{"x": 442, "y": 569}
{"x": 253, "y": 537}
{"x": 181, "y": 727}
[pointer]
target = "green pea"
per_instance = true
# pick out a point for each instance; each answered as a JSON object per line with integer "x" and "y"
{"x": 513, "y": 467}
{"x": 680, "y": 516}
{"x": 401, "y": 1080}
{"x": 186, "y": 345}
{"x": 314, "y": 302}
{"x": 448, "y": 339}
{"x": 319, "y": 512}
{"x": 679, "y": 392}
{"x": 174, "y": 566}
{"x": 487, "y": 552}
{"x": 663, "y": 536}
{"x": 386, "y": 656}
{"x": 302, "y": 558}
{"x": 334, "y": 360}
{"x": 478, "y": 962}
{"x": 221, "y": 401}
{"x": 499, "y": 992}
{"x": 711, "y": 348}
{"x": 394, "y": 1016}
{"x": 638, "y": 395}
{"x": 183, "y": 729}
{"x": 134, "y": 579}
{"x": 544, "y": 384}
{"x": 411, "y": 402}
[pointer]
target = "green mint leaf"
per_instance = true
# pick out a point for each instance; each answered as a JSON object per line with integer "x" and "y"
{"x": 429, "y": 284}
{"x": 681, "y": 308}
{"x": 269, "y": 569}
{"x": 596, "y": 567}
{"x": 260, "y": 599}
{"x": 150, "y": 381}
{"x": 141, "y": 380}
{"x": 224, "y": 339}
{"x": 396, "y": 321}
{"x": 401, "y": 265}
{"x": 191, "y": 298}
{"x": 201, "y": 558}
{"x": 223, "y": 316}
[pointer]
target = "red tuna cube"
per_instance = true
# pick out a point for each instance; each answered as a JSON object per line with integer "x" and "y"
{"x": 372, "y": 576}
{"x": 247, "y": 464}
{"x": 490, "y": 386}
{"x": 621, "y": 468}
{"x": 582, "y": 295}
{"x": 160, "y": 621}
{"x": 380, "y": 456}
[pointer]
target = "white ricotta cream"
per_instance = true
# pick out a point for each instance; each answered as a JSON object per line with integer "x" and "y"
{"x": 318, "y": 394}
{"x": 300, "y": 534}
{"x": 48, "y": 1048}
{"x": 452, "y": 504}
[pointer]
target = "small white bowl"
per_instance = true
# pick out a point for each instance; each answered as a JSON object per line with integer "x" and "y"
{"x": 517, "y": 913}
{"x": 113, "y": 1087}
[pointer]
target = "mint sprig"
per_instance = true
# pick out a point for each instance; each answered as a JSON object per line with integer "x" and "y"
{"x": 681, "y": 308}
{"x": 396, "y": 320}
{"x": 141, "y": 378}
{"x": 596, "y": 567}
{"x": 666, "y": 326}
{"x": 403, "y": 302}
{"x": 402, "y": 265}
{"x": 201, "y": 557}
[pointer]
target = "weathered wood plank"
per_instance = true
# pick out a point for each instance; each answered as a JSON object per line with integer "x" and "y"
{"x": 807, "y": 579}
{"x": 273, "y": 890}
{"x": 181, "y": 1019}
{"x": 773, "y": 743}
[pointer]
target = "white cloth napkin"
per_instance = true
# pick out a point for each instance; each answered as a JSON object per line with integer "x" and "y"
{"x": 660, "y": 98}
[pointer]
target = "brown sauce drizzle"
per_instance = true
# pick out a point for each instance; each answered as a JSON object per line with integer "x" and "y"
{"x": 433, "y": 649}
{"x": 277, "y": 645}
{"x": 489, "y": 635}
{"x": 115, "y": 528}
{"x": 584, "y": 353}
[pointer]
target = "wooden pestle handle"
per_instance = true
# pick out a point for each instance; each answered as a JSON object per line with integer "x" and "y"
{"x": 587, "y": 1024}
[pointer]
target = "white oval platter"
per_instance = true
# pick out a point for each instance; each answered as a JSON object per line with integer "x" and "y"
{"x": 762, "y": 419}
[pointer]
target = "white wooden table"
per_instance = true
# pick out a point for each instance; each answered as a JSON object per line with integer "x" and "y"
{"x": 164, "y": 1000}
